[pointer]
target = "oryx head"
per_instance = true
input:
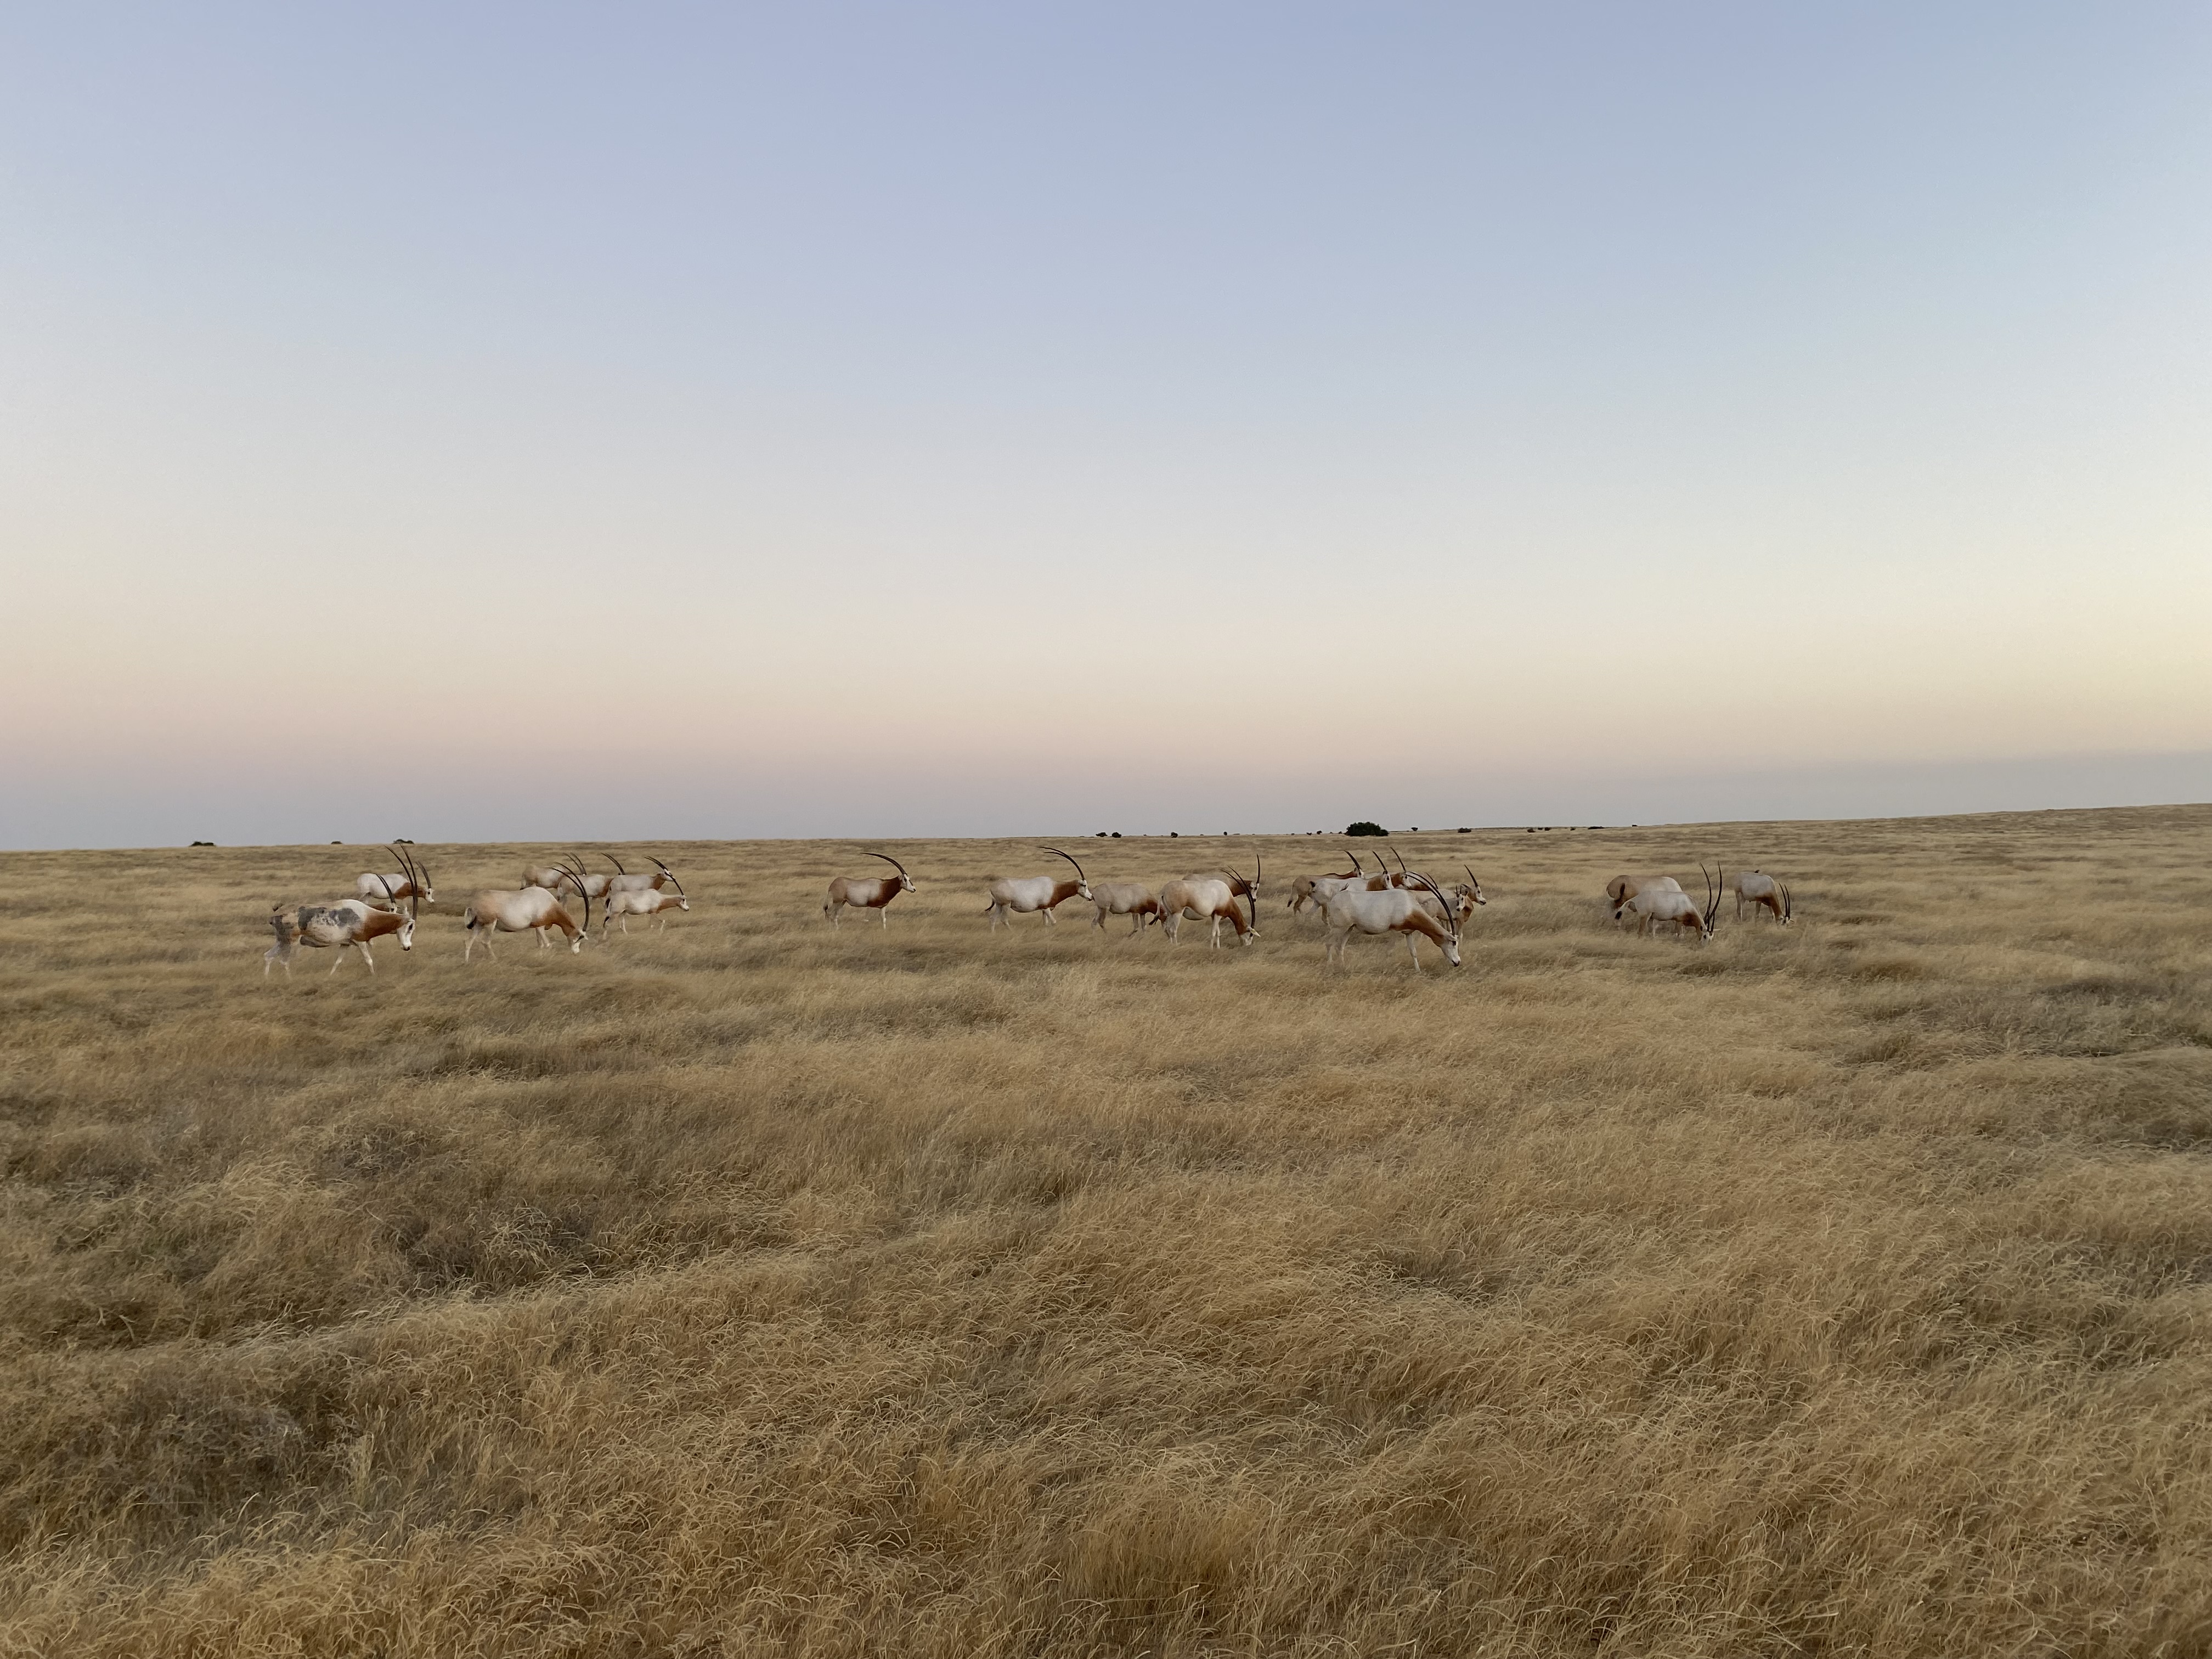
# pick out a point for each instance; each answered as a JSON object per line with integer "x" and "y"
{"x": 1081, "y": 882}
{"x": 1470, "y": 893}
{"x": 906, "y": 882}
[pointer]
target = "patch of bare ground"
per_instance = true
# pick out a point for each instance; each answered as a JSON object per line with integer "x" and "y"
{"x": 1845, "y": 1289}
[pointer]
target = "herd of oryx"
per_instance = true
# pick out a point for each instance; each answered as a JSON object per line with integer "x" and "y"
{"x": 538, "y": 905}
{"x": 1382, "y": 901}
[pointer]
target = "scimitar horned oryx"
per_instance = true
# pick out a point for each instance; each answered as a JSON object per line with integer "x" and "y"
{"x": 648, "y": 903}
{"x": 1131, "y": 899}
{"x": 376, "y": 888}
{"x": 534, "y": 909}
{"x": 1406, "y": 911}
{"x": 1764, "y": 892}
{"x": 1022, "y": 895}
{"x": 1212, "y": 898}
{"x": 867, "y": 892}
{"x": 1314, "y": 890}
{"x": 345, "y": 923}
{"x": 1670, "y": 907}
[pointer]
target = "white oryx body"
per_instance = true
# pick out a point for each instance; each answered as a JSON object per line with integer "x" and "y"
{"x": 867, "y": 892}
{"x": 1212, "y": 898}
{"x": 382, "y": 891}
{"x": 1027, "y": 894}
{"x": 626, "y": 905}
{"x": 345, "y": 922}
{"x": 1764, "y": 892}
{"x": 1202, "y": 898}
{"x": 627, "y": 883}
{"x": 1673, "y": 908}
{"x": 1125, "y": 898}
{"x": 1392, "y": 910}
{"x": 534, "y": 909}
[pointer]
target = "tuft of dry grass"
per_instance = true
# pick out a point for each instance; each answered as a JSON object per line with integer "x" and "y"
{"x": 750, "y": 1287}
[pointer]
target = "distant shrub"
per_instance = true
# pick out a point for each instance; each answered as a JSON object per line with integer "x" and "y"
{"x": 1365, "y": 827}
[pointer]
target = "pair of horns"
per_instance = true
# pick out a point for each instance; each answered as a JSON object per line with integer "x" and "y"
{"x": 417, "y": 879}
{"x": 893, "y": 862}
{"x": 1071, "y": 858}
{"x": 1713, "y": 890}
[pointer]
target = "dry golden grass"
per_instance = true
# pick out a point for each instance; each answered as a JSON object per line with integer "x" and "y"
{"x": 754, "y": 1289}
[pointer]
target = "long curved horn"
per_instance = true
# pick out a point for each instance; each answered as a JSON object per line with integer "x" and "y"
{"x": 1415, "y": 879}
{"x": 670, "y": 874}
{"x": 417, "y": 879}
{"x": 1787, "y": 908}
{"x": 1070, "y": 857}
{"x": 617, "y": 864}
{"x": 893, "y": 862}
{"x": 1712, "y": 893}
{"x": 1357, "y": 868}
{"x": 1472, "y": 876}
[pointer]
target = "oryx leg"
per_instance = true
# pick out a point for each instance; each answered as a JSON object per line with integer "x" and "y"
{"x": 363, "y": 947}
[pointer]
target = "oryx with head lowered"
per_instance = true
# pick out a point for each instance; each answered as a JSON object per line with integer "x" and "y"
{"x": 1212, "y": 898}
{"x": 1670, "y": 907}
{"x": 1410, "y": 910}
{"x": 1764, "y": 893}
{"x": 346, "y": 923}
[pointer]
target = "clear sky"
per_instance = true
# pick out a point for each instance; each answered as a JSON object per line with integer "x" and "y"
{"x": 548, "y": 422}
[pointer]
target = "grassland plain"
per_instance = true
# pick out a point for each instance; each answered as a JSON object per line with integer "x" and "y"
{"x": 755, "y": 1288}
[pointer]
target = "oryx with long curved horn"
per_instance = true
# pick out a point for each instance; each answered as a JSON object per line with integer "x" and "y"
{"x": 1212, "y": 898}
{"x": 347, "y": 922}
{"x": 642, "y": 883}
{"x": 867, "y": 892}
{"x": 1672, "y": 907}
{"x": 381, "y": 890}
{"x": 1404, "y": 910}
{"x": 1764, "y": 892}
{"x": 536, "y": 909}
{"x": 1023, "y": 895}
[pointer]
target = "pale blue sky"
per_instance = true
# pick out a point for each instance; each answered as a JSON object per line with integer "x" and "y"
{"x": 968, "y": 420}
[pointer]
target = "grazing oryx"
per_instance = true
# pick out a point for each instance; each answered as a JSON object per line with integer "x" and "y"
{"x": 1672, "y": 907}
{"x": 1024, "y": 894}
{"x": 534, "y": 909}
{"x": 1393, "y": 910}
{"x": 627, "y": 905}
{"x": 1765, "y": 893}
{"x": 867, "y": 892}
{"x": 1125, "y": 898}
{"x": 1314, "y": 890}
{"x": 346, "y": 922}
{"x": 1210, "y": 898}
{"x": 380, "y": 890}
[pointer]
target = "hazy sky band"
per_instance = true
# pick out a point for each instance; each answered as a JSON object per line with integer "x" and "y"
{"x": 700, "y": 414}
